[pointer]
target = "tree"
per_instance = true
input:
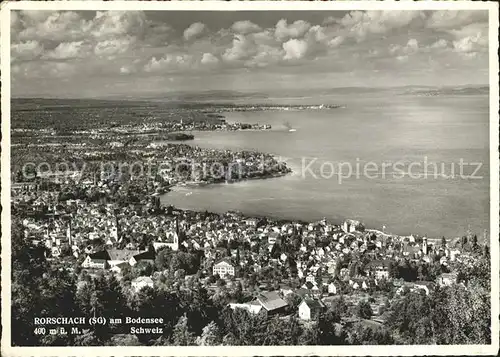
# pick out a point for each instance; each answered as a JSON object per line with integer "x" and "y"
{"x": 293, "y": 300}
{"x": 87, "y": 339}
{"x": 212, "y": 279}
{"x": 309, "y": 336}
{"x": 443, "y": 242}
{"x": 28, "y": 269}
{"x": 238, "y": 258}
{"x": 181, "y": 335}
{"x": 486, "y": 251}
{"x": 405, "y": 316}
{"x": 474, "y": 244}
{"x": 163, "y": 258}
{"x": 210, "y": 335}
{"x": 180, "y": 274}
{"x": 142, "y": 268}
{"x": 469, "y": 314}
{"x": 230, "y": 340}
{"x": 364, "y": 310}
{"x": 361, "y": 334}
{"x": 124, "y": 340}
{"x": 328, "y": 328}
{"x": 221, "y": 283}
{"x": 339, "y": 306}
{"x": 238, "y": 292}
{"x": 463, "y": 242}
{"x": 292, "y": 331}
{"x": 66, "y": 250}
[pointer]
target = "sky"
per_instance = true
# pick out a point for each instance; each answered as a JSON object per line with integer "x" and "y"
{"x": 102, "y": 54}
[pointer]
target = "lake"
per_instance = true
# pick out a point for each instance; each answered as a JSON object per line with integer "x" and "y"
{"x": 370, "y": 130}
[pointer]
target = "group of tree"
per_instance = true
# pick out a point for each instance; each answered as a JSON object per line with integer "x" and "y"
{"x": 456, "y": 314}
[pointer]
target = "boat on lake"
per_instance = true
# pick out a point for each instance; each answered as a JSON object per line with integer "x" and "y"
{"x": 289, "y": 127}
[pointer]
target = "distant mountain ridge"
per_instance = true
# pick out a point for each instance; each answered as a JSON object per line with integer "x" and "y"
{"x": 176, "y": 98}
{"x": 203, "y": 96}
{"x": 462, "y": 90}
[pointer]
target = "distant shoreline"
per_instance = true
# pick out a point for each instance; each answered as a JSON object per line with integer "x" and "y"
{"x": 207, "y": 95}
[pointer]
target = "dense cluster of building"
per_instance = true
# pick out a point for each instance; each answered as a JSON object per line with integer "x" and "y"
{"x": 316, "y": 261}
{"x": 100, "y": 218}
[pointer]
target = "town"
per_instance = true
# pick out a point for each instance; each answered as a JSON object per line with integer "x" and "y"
{"x": 110, "y": 233}
{"x": 278, "y": 262}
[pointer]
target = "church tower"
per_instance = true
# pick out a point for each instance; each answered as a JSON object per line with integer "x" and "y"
{"x": 117, "y": 230}
{"x": 68, "y": 234}
{"x": 424, "y": 246}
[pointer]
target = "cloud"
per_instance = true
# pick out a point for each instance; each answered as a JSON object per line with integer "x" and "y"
{"x": 33, "y": 16}
{"x": 265, "y": 38}
{"x": 283, "y": 31}
{"x": 15, "y": 21}
{"x": 442, "y": 43}
{"x": 169, "y": 63}
{"x": 157, "y": 34}
{"x": 320, "y": 40}
{"x": 60, "y": 69}
{"x": 258, "y": 49}
{"x": 412, "y": 45}
{"x": 245, "y": 27}
{"x": 360, "y": 24}
{"x": 335, "y": 42}
{"x": 209, "y": 58}
{"x": 113, "y": 46}
{"x": 194, "y": 31}
{"x": 317, "y": 33}
{"x": 410, "y": 48}
{"x": 468, "y": 27}
{"x": 67, "y": 50}
{"x": 139, "y": 42}
{"x": 267, "y": 55}
{"x": 450, "y": 19}
{"x": 109, "y": 24}
{"x": 373, "y": 53}
{"x": 243, "y": 47}
{"x": 470, "y": 55}
{"x": 330, "y": 20}
{"x": 45, "y": 69}
{"x": 28, "y": 50}
{"x": 470, "y": 44}
{"x": 295, "y": 49}
{"x": 127, "y": 70}
{"x": 155, "y": 65}
{"x": 53, "y": 26}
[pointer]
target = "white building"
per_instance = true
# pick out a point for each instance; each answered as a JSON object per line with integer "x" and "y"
{"x": 447, "y": 279}
{"x": 224, "y": 267}
{"x": 172, "y": 242}
{"x": 332, "y": 289}
{"x": 350, "y": 226}
{"x": 310, "y": 309}
{"x": 273, "y": 237}
{"x": 141, "y": 282}
{"x": 252, "y": 307}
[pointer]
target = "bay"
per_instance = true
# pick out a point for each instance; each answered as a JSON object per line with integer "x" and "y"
{"x": 369, "y": 130}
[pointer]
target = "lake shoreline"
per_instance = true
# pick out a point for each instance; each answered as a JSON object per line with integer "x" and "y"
{"x": 434, "y": 207}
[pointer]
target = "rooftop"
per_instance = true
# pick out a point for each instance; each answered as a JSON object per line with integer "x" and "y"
{"x": 271, "y": 300}
{"x": 122, "y": 254}
{"x": 313, "y": 304}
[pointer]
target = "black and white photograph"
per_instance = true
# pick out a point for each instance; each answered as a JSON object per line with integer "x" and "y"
{"x": 241, "y": 178}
